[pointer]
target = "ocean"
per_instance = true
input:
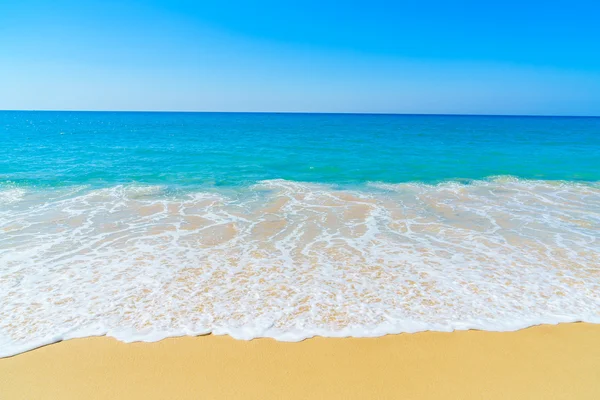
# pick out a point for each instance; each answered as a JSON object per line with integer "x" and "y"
{"x": 143, "y": 226}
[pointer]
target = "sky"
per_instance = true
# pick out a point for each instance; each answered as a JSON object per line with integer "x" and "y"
{"x": 442, "y": 57}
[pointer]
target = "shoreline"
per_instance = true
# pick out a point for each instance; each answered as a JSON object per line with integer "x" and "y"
{"x": 344, "y": 334}
{"x": 547, "y": 361}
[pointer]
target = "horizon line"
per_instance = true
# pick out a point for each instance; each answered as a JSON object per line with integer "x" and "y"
{"x": 307, "y": 112}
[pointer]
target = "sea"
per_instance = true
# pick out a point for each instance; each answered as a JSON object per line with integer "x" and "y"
{"x": 142, "y": 226}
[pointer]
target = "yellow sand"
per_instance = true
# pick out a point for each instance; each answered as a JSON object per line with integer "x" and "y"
{"x": 546, "y": 362}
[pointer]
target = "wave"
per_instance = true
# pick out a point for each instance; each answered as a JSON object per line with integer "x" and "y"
{"x": 291, "y": 260}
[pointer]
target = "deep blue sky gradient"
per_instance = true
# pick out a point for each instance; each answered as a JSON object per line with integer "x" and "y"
{"x": 479, "y": 57}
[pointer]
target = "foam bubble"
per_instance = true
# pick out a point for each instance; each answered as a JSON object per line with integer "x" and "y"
{"x": 292, "y": 260}
{"x": 11, "y": 195}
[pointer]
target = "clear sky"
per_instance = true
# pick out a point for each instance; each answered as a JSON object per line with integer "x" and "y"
{"x": 476, "y": 57}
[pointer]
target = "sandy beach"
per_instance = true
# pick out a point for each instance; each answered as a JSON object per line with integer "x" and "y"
{"x": 271, "y": 200}
{"x": 549, "y": 362}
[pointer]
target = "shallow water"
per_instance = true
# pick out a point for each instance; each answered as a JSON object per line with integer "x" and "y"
{"x": 144, "y": 245}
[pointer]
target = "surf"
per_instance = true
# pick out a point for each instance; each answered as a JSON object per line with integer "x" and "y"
{"x": 290, "y": 260}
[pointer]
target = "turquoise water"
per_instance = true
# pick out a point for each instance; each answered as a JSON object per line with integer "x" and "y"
{"x": 142, "y": 226}
{"x": 191, "y": 149}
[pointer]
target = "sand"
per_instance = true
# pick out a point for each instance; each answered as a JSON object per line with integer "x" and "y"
{"x": 544, "y": 362}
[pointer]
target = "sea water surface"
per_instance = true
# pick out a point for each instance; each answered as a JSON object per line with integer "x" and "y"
{"x": 147, "y": 225}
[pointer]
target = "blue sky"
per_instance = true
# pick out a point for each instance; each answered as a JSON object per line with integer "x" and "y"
{"x": 480, "y": 57}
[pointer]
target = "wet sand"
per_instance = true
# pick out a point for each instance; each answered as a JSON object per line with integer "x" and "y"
{"x": 544, "y": 362}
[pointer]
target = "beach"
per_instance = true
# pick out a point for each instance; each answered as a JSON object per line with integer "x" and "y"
{"x": 192, "y": 255}
{"x": 271, "y": 200}
{"x": 550, "y": 362}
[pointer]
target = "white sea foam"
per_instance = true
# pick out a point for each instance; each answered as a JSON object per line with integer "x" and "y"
{"x": 291, "y": 260}
{"x": 11, "y": 195}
